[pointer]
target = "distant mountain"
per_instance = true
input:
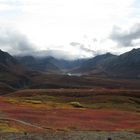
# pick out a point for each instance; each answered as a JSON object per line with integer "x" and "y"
{"x": 12, "y": 74}
{"x": 49, "y": 64}
{"x": 125, "y": 65}
{"x": 67, "y": 65}
{"x": 39, "y": 64}
{"x": 93, "y": 64}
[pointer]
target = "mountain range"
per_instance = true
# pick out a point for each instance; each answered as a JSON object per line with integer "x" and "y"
{"x": 125, "y": 65}
{"x": 21, "y": 72}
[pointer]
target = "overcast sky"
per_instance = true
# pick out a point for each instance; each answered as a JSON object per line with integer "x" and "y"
{"x": 73, "y": 28}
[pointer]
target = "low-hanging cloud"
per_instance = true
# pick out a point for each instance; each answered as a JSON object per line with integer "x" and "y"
{"x": 82, "y": 47}
{"x": 17, "y": 44}
{"x": 126, "y": 38}
{"x": 58, "y": 54}
{"x": 14, "y": 42}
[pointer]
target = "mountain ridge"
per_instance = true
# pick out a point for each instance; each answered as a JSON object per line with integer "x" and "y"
{"x": 124, "y": 65}
{"x": 12, "y": 73}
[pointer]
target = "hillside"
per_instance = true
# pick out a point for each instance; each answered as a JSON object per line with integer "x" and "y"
{"x": 12, "y": 74}
{"x": 49, "y": 64}
{"x": 94, "y": 63}
{"x": 39, "y": 64}
{"x": 126, "y": 65}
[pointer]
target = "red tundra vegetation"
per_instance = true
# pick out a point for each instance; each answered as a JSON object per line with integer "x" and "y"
{"x": 29, "y": 117}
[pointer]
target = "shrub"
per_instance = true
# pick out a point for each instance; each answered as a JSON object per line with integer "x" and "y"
{"x": 76, "y": 104}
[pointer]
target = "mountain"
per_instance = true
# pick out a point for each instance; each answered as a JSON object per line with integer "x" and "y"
{"x": 39, "y": 64}
{"x": 66, "y": 65}
{"x": 125, "y": 65}
{"x": 48, "y": 72}
{"x": 12, "y": 74}
{"x": 93, "y": 64}
{"x": 9, "y": 64}
{"x": 49, "y": 64}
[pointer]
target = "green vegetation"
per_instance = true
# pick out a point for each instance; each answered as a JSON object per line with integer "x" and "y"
{"x": 126, "y": 100}
{"x": 76, "y": 104}
{"x": 33, "y": 101}
{"x": 5, "y": 127}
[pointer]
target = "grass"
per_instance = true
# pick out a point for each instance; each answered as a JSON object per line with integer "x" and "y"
{"x": 119, "y": 99}
{"x": 94, "y": 104}
{"x": 78, "y": 109}
{"x": 5, "y": 127}
{"x": 33, "y": 101}
{"x": 76, "y": 104}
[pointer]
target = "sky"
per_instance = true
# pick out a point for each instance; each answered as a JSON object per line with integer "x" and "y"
{"x": 69, "y": 29}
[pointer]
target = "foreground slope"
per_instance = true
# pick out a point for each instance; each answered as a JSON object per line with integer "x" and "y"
{"x": 71, "y": 110}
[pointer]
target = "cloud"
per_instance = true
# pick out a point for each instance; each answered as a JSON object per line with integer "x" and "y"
{"x": 51, "y": 24}
{"x": 59, "y": 54}
{"x": 82, "y": 47}
{"x": 10, "y": 2}
{"x": 62, "y": 21}
{"x": 14, "y": 42}
{"x": 75, "y": 44}
{"x": 128, "y": 38}
{"x": 9, "y": 6}
{"x": 18, "y": 44}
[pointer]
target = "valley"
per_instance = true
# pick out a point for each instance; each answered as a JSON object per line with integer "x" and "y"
{"x": 64, "y": 101}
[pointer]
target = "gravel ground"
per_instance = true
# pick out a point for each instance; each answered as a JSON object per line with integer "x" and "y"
{"x": 71, "y": 136}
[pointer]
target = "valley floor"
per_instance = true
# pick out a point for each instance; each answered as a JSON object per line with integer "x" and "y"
{"x": 59, "y": 114}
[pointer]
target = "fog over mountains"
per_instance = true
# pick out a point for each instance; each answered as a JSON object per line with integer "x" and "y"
{"x": 127, "y": 64}
{"x": 124, "y": 65}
